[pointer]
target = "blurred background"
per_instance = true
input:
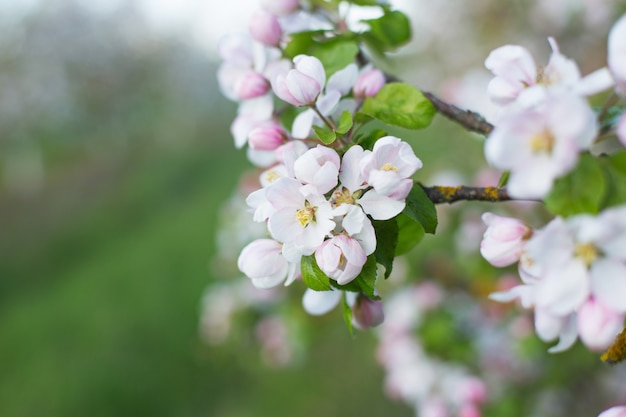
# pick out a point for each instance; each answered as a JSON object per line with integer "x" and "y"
{"x": 115, "y": 162}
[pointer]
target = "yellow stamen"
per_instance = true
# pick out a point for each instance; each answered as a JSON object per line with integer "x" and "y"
{"x": 305, "y": 216}
{"x": 542, "y": 142}
{"x": 341, "y": 196}
{"x": 388, "y": 167}
{"x": 271, "y": 176}
{"x": 587, "y": 252}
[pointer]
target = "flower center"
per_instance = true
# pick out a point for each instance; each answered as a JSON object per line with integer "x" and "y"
{"x": 388, "y": 167}
{"x": 271, "y": 176}
{"x": 588, "y": 252}
{"x": 341, "y": 196}
{"x": 306, "y": 215}
{"x": 542, "y": 142}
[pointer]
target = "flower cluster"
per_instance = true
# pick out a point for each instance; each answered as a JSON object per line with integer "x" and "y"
{"x": 320, "y": 204}
{"x": 573, "y": 273}
{"x": 546, "y": 122}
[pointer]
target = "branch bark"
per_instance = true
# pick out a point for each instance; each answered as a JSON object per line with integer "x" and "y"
{"x": 440, "y": 194}
{"x": 470, "y": 120}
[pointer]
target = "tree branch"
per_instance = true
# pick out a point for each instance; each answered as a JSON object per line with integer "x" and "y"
{"x": 440, "y": 194}
{"x": 470, "y": 120}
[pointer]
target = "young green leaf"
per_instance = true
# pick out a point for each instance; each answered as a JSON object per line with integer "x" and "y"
{"x": 421, "y": 209}
{"x": 345, "y": 123}
{"x": 581, "y": 191}
{"x": 324, "y": 134}
{"x": 388, "y": 32}
{"x": 312, "y": 275}
{"x": 386, "y": 241}
{"x": 410, "y": 234}
{"x": 400, "y": 104}
{"x": 347, "y": 313}
{"x": 615, "y": 171}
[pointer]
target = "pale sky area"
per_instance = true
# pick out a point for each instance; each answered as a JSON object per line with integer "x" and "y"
{"x": 200, "y": 21}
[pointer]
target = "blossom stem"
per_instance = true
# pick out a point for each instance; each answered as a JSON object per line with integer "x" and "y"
{"x": 441, "y": 194}
{"x": 327, "y": 122}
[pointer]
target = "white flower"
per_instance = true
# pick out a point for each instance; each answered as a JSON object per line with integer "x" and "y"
{"x": 317, "y": 303}
{"x": 302, "y": 217}
{"x": 319, "y": 167}
{"x": 263, "y": 262}
{"x": 619, "y": 411}
{"x": 539, "y": 145}
{"x": 302, "y": 85}
{"x": 341, "y": 258}
{"x": 617, "y": 54}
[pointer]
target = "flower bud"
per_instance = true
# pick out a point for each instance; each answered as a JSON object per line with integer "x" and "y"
{"x": 504, "y": 239}
{"x": 621, "y": 129}
{"x": 367, "y": 313}
{"x": 302, "y": 85}
{"x": 341, "y": 258}
{"x": 598, "y": 325}
{"x": 280, "y": 7}
{"x": 251, "y": 85}
{"x": 265, "y": 28}
{"x": 369, "y": 83}
{"x": 267, "y": 138}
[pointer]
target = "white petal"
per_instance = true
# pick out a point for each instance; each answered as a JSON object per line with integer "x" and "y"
{"x": 302, "y": 124}
{"x": 568, "y": 336}
{"x": 343, "y": 80}
{"x": 564, "y": 288}
{"x": 317, "y": 303}
{"x": 608, "y": 283}
{"x": 380, "y": 207}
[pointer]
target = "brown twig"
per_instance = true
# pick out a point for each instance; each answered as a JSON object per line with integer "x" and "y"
{"x": 470, "y": 120}
{"x": 440, "y": 194}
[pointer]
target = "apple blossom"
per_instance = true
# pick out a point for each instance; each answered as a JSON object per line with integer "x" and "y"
{"x": 621, "y": 129}
{"x": 303, "y": 218}
{"x": 369, "y": 82}
{"x": 267, "y": 138}
{"x": 265, "y": 28}
{"x": 262, "y": 261}
{"x": 388, "y": 167}
{"x": 539, "y": 145}
{"x": 319, "y": 167}
{"x": 598, "y": 325}
{"x": 317, "y": 303}
{"x": 250, "y": 85}
{"x": 341, "y": 258}
{"x": 367, "y": 313}
{"x": 504, "y": 239}
{"x": 302, "y": 85}
{"x": 617, "y": 54}
{"x": 280, "y": 7}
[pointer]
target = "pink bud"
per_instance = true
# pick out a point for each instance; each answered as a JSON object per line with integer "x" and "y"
{"x": 369, "y": 83}
{"x": 504, "y": 239}
{"x": 265, "y": 28}
{"x": 621, "y": 129}
{"x": 341, "y": 258}
{"x": 251, "y": 85}
{"x": 267, "y": 138}
{"x": 368, "y": 313}
{"x": 598, "y": 325}
{"x": 302, "y": 85}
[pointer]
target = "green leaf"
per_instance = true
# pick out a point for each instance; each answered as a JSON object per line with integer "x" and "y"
{"x": 388, "y": 32}
{"x": 312, "y": 275}
{"x": 345, "y": 123}
{"x": 302, "y": 42}
{"x": 335, "y": 54}
{"x": 324, "y": 134}
{"x": 347, "y": 313}
{"x": 615, "y": 172}
{"x": 421, "y": 209}
{"x": 364, "y": 282}
{"x": 367, "y": 140}
{"x": 400, "y": 104}
{"x": 386, "y": 241}
{"x": 363, "y": 2}
{"x": 410, "y": 234}
{"x": 581, "y": 191}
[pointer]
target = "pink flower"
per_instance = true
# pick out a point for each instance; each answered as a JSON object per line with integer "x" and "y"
{"x": 264, "y": 28}
{"x": 302, "y": 85}
{"x": 341, "y": 258}
{"x": 301, "y": 218}
{"x": 504, "y": 239}
{"x": 367, "y": 313}
{"x": 617, "y": 54}
{"x": 369, "y": 82}
{"x": 619, "y": 411}
{"x": 250, "y": 85}
{"x": 262, "y": 261}
{"x": 539, "y": 145}
{"x": 267, "y": 138}
{"x": 621, "y": 129}
{"x": 319, "y": 167}
{"x": 598, "y": 325}
{"x": 388, "y": 167}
